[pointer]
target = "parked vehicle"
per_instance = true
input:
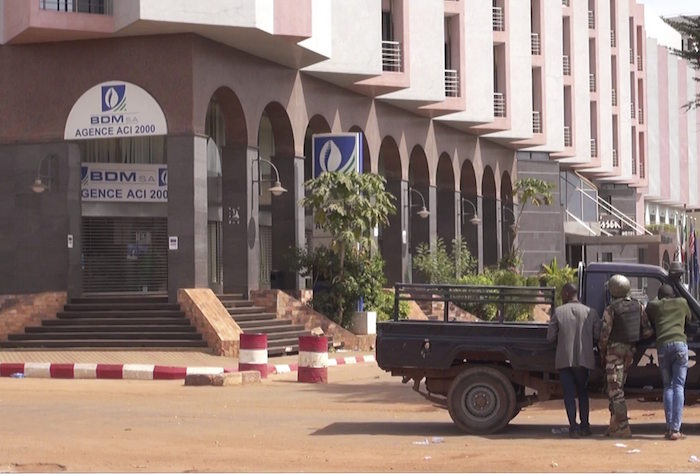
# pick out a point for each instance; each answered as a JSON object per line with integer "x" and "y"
{"x": 484, "y": 372}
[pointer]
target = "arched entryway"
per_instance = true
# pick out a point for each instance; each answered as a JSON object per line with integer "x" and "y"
{"x": 445, "y": 181}
{"x": 488, "y": 187}
{"x": 418, "y": 199}
{"x": 317, "y": 124}
{"x": 468, "y": 208}
{"x": 366, "y": 158}
{"x": 227, "y": 196}
{"x": 390, "y": 241}
{"x": 276, "y": 213}
{"x": 508, "y": 217}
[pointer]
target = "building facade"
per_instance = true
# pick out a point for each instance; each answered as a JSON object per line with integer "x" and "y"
{"x": 153, "y": 132}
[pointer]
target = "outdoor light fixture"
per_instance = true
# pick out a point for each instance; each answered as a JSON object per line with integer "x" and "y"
{"x": 423, "y": 212}
{"x": 276, "y": 189}
{"x": 42, "y": 182}
{"x": 475, "y": 219}
{"x": 514, "y": 225}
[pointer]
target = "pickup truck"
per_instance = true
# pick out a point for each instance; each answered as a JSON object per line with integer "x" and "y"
{"x": 485, "y": 372}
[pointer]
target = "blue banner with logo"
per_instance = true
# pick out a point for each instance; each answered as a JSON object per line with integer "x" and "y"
{"x": 339, "y": 152}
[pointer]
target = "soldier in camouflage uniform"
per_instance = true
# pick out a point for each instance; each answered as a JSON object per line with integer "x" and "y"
{"x": 624, "y": 323}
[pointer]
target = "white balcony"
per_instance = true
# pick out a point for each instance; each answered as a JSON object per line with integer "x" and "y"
{"x": 639, "y": 62}
{"x": 614, "y": 97}
{"x": 498, "y": 20}
{"x": 594, "y": 148}
{"x": 591, "y": 20}
{"x": 535, "y": 46}
{"x": 612, "y": 38}
{"x": 536, "y": 121}
{"x": 451, "y": 83}
{"x": 567, "y": 65}
{"x": 591, "y": 82}
{"x": 567, "y": 136}
{"x": 615, "y": 161}
{"x": 640, "y": 115}
{"x": 633, "y": 108}
{"x": 391, "y": 56}
{"x": 499, "y": 104}
{"x": 100, "y": 7}
{"x": 631, "y": 56}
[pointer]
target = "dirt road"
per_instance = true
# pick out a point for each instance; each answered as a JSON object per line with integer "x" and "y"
{"x": 363, "y": 420}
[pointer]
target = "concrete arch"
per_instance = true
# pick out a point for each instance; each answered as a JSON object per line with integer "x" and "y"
{"x": 488, "y": 186}
{"x": 390, "y": 237}
{"x": 418, "y": 196}
{"x": 446, "y": 212}
{"x": 366, "y": 154}
{"x": 469, "y": 196}
{"x": 508, "y": 217}
{"x": 317, "y": 124}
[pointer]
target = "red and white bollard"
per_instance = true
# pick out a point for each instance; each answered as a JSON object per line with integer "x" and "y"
{"x": 253, "y": 353}
{"x": 313, "y": 359}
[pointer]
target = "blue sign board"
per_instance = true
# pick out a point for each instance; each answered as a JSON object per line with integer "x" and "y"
{"x": 341, "y": 152}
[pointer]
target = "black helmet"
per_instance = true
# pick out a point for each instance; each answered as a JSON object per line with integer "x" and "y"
{"x": 618, "y": 286}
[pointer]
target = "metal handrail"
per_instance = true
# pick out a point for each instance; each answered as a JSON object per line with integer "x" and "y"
{"x": 640, "y": 115}
{"x": 566, "y": 65}
{"x": 451, "y": 83}
{"x": 631, "y": 56}
{"x": 612, "y": 39}
{"x": 591, "y": 20}
{"x": 614, "y": 97}
{"x": 567, "y": 136}
{"x": 98, "y": 7}
{"x": 535, "y": 46}
{"x": 639, "y": 62}
{"x": 499, "y": 104}
{"x": 594, "y": 148}
{"x": 615, "y": 160}
{"x": 591, "y": 82}
{"x": 633, "y": 107}
{"x": 498, "y": 20}
{"x": 536, "y": 122}
{"x": 391, "y": 56}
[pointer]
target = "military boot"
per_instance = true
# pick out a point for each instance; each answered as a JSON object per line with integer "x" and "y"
{"x": 613, "y": 427}
{"x": 621, "y": 433}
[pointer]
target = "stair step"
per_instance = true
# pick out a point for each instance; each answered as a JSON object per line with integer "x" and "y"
{"x": 254, "y": 317}
{"x": 116, "y": 320}
{"x": 110, "y": 328}
{"x": 105, "y": 336}
{"x": 100, "y": 306}
{"x": 114, "y": 343}
{"x": 119, "y": 299}
{"x": 281, "y": 351}
{"x": 246, "y": 310}
{"x": 237, "y": 304}
{"x": 126, "y": 314}
{"x": 250, "y": 325}
{"x": 272, "y": 338}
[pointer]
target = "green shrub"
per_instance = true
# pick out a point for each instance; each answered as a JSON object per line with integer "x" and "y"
{"x": 552, "y": 275}
{"x": 384, "y": 306}
{"x": 440, "y": 266}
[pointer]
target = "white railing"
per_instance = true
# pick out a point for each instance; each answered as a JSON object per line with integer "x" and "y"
{"x": 565, "y": 3}
{"x": 615, "y": 161}
{"x": 639, "y": 62}
{"x": 535, "y": 44}
{"x": 498, "y": 22}
{"x": 100, "y": 7}
{"x": 391, "y": 56}
{"x": 633, "y": 108}
{"x": 536, "y": 121}
{"x": 591, "y": 20}
{"x": 567, "y": 136}
{"x": 614, "y": 97}
{"x": 631, "y": 56}
{"x": 594, "y": 148}
{"x": 640, "y": 115}
{"x": 451, "y": 83}
{"x": 591, "y": 82}
{"x": 612, "y": 38}
{"x": 499, "y": 104}
{"x": 567, "y": 65}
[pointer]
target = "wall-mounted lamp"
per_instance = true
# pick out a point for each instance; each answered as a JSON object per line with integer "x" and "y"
{"x": 475, "y": 219}
{"x": 514, "y": 226}
{"x": 42, "y": 182}
{"x": 423, "y": 212}
{"x": 276, "y": 189}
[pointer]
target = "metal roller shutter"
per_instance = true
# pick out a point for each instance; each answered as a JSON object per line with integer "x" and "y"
{"x": 125, "y": 254}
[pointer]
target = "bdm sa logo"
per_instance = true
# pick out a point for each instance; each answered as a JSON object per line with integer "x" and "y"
{"x": 337, "y": 152}
{"x": 162, "y": 176}
{"x": 114, "y": 98}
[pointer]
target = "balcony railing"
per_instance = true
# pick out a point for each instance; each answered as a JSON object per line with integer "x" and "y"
{"x": 536, "y": 121}
{"x": 640, "y": 115}
{"x": 614, "y": 97}
{"x": 567, "y": 136}
{"x": 591, "y": 82}
{"x": 633, "y": 108}
{"x": 567, "y": 65}
{"x": 535, "y": 44}
{"x": 591, "y": 20}
{"x": 451, "y": 83}
{"x": 565, "y": 3}
{"x": 391, "y": 56}
{"x": 99, "y": 7}
{"x": 498, "y": 22}
{"x": 612, "y": 38}
{"x": 615, "y": 161}
{"x": 641, "y": 166}
{"x": 594, "y": 148}
{"x": 499, "y": 104}
{"x": 639, "y": 62}
{"x": 631, "y": 56}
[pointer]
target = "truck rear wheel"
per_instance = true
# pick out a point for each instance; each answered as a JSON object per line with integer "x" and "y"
{"x": 481, "y": 400}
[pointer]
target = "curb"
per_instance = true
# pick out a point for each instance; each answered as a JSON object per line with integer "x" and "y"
{"x": 50, "y": 370}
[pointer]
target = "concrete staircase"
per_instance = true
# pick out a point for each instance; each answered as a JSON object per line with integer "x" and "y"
{"x": 282, "y": 335}
{"x": 112, "y": 322}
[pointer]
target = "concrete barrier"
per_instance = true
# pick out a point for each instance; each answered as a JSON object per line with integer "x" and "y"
{"x": 313, "y": 359}
{"x": 253, "y": 353}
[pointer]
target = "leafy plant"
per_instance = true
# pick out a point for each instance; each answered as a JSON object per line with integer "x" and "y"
{"x": 440, "y": 266}
{"x": 552, "y": 275}
{"x": 530, "y": 192}
{"x": 689, "y": 27}
{"x": 384, "y": 306}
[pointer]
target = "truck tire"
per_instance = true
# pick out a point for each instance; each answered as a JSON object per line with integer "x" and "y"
{"x": 481, "y": 400}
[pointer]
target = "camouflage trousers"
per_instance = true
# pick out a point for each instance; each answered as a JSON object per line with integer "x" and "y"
{"x": 618, "y": 358}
